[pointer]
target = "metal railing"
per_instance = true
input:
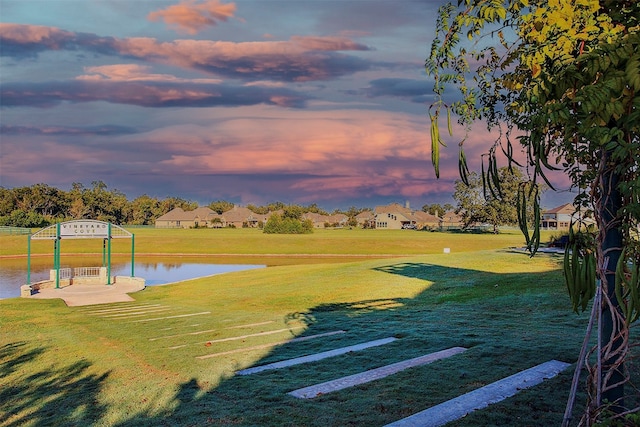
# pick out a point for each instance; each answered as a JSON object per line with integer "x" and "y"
{"x": 65, "y": 273}
{"x": 86, "y": 272}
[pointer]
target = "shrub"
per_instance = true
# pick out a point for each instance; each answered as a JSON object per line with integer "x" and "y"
{"x": 277, "y": 224}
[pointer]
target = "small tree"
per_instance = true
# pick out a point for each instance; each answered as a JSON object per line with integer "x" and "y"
{"x": 566, "y": 75}
{"x": 476, "y": 206}
{"x": 280, "y": 224}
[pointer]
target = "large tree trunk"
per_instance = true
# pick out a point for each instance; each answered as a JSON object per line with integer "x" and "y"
{"x": 613, "y": 329}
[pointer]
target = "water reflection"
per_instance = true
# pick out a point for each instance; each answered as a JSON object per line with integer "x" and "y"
{"x": 156, "y": 271}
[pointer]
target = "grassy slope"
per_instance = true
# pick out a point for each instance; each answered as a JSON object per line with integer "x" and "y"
{"x": 72, "y": 366}
{"x": 67, "y": 366}
{"x": 253, "y": 241}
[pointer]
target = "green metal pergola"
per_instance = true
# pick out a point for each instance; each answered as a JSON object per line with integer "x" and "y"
{"x": 81, "y": 229}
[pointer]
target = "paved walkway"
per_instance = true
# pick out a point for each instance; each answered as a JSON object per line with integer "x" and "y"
{"x": 78, "y": 295}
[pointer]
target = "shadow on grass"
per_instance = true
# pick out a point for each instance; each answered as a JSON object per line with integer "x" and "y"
{"x": 507, "y": 325}
{"x": 53, "y": 396}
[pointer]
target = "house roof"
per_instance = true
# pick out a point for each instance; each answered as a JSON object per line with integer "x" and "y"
{"x": 172, "y": 215}
{"x": 178, "y": 214}
{"x": 567, "y": 208}
{"x": 337, "y": 218}
{"x": 240, "y": 214}
{"x": 202, "y": 212}
{"x": 315, "y": 217}
{"x": 406, "y": 214}
{"x": 392, "y": 208}
{"x": 451, "y": 216}
{"x": 420, "y": 216}
{"x": 365, "y": 215}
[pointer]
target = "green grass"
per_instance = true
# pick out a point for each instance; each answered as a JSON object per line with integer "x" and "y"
{"x": 253, "y": 241}
{"x": 70, "y": 366}
{"x": 64, "y": 366}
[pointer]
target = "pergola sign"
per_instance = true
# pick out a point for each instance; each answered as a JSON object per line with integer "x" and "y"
{"x": 81, "y": 229}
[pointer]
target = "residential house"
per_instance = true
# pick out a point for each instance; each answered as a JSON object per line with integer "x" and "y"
{"x": 321, "y": 221}
{"x": 179, "y": 218}
{"x": 241, "y": 217}
{"x": 395, "y": 216}
{"x": 558, "y": 218}
{"x": 366, "y": 219}
{"x": 451, "y": 219}
{"x": 426, "y": 220}
{"x": 318, "y": 220}
{"x": 338, "y": 220}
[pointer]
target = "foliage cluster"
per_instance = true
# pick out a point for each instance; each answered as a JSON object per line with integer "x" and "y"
{"x": 287, "y": 224}
{"x": 40, "y": 205}
{"x": 476, "y": 206}
{"x": 566, "y": 75}
{"x": 437, "y": 209}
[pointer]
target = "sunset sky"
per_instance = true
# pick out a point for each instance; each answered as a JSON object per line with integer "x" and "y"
{"x": 250, "y": 101}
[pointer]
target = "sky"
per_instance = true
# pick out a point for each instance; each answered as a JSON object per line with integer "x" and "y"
{"x": 248, "y": 101}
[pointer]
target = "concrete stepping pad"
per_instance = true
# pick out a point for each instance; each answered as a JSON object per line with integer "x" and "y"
{"x": 373, "y": 374}
{"x": 317, "y": 356}
{"x": 460, "y": 406}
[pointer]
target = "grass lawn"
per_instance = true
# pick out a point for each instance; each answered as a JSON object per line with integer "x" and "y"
{"x": 140, "y": 363}
{"x": 254, "y": 241}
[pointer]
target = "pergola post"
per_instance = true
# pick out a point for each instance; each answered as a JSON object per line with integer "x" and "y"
{"x": 29, "y": 259}
{"x": 133, "y": 245}
{"x": 109, "y": 254}
{"x": 56, "y": 255}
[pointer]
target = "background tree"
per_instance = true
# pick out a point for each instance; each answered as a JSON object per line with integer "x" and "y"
{"x": 7, "y": 201}
{"x": 143, "y": 210}
{"x": 566, "y": 74}
{"x": 293, "y": 211}
{"x": 433, "y": 209}
{"x": 314, "y": 208}
{"x": 437, "y": 209}
{"x": 477, "y": 208}
{"x": 221, "y": 206}
{"x": 171, "y": 203}
{"x": 262, "y": 210}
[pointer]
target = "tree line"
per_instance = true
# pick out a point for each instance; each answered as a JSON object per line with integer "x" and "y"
{"x": 40, "y": 205}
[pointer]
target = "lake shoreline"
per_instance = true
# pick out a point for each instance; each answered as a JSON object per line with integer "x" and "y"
{"x": 152, "y": 254}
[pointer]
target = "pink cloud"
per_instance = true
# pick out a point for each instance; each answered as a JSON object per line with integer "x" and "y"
{"x": 190, "y": 17}
{"x": 346, "y": 152}
{"x": 134, "y": 72}
{"x": 298, "y": 59}
{"x": 326, "y": 43}
{"x": 49, "y": 36}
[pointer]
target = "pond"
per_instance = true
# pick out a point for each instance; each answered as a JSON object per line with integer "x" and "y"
{"x": 155, "y": 271}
